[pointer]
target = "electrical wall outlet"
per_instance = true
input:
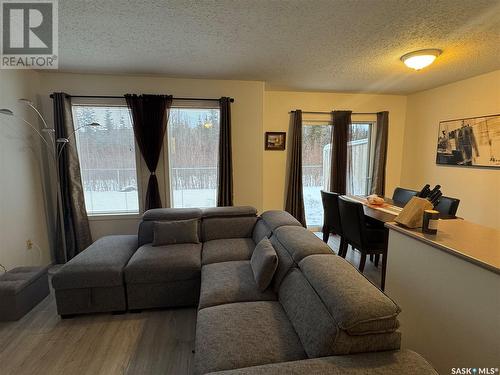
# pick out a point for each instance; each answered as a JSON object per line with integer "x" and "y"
{"x": 29, "y": 244}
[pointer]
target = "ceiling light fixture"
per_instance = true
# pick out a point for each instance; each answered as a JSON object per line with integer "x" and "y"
{"x": 420, "y": 59}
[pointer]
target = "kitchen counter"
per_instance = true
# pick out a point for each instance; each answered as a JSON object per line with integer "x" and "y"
{"x": 475, "y": 243}
{"x": 447, "y": 286}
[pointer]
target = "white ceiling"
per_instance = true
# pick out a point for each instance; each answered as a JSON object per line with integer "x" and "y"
{"x": 333, "y": 45}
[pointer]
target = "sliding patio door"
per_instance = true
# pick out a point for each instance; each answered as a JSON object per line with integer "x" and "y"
{"x": 316, "y": 157}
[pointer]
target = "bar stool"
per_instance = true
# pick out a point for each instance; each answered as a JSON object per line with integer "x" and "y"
{"x": 331, "y": 219}
{"x": 359, "y": 235}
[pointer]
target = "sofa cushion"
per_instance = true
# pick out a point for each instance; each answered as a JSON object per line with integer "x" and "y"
{"x": 285, "y": 263}
{"x": 300, "y": 242}
{"x": 310, "y": 318}
{"x": 229, "y": 211}
{"x": 100, "y": 265}
{"x": 318, "y": 330}
{"x": 174, "y": 232}
{"x": 264, "y": 262}
{"x": 277, "y": 218}
{"x": 163, "y": 214}
{"x": 398, "y": 362}
{"x": 155, "y": 264}
{"x": 292, "y": 244}
{"x": 230, "y": 282}
{"x": 357, "y": 305}
{"x": 260, "y": 231}
{"x": 215, "y": 228}
{"x": 226, "y": 250}
{"x": 244, "y": 334}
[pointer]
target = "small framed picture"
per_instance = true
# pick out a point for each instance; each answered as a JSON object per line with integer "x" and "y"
{"x": 275, "y": 141}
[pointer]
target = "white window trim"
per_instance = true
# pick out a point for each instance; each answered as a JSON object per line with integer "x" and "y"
{"x": 115, "y": 102}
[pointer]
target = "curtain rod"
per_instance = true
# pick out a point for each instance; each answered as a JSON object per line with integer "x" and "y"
{"x": 123, "y": 97}
{"x": 328, "y": 113}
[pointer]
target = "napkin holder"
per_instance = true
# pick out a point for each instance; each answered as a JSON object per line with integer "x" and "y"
{"x": 413, "y": 212}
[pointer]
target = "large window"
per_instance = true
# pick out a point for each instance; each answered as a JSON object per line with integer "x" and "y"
{"x": 107, "y": 159}
{"x": 193, "y": 136}
{"x": 316, "y": 151}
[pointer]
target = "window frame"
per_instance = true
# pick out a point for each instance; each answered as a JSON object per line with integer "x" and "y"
{"x": 114, "y": 102}
{"x": 182, "y": 104}
{"x": 325, "y": 119}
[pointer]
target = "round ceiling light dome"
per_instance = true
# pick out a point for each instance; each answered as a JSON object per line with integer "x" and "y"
{"x": 420, "y": 59}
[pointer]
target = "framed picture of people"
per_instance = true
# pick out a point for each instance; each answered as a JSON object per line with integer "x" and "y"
{"x": 470, "y": 142}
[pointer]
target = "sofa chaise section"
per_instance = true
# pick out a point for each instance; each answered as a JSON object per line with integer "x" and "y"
{"x": 93, "y": 280}
{"x": 397, "y": 362}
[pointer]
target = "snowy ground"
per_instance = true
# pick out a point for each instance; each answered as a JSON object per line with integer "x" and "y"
{"x": 115, "y": 202}
{"x": 127, "y": 202}
{"x": 195, "y": 198}
{"x": 313, "y": 206}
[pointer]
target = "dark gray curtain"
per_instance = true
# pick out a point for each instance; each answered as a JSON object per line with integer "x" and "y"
{"x": 149, "y": 118}
{"x": 225, "y": 164}
{"x": 380, "y": 156}
{"x": 338, "y": 163}
{"x": 294, "y": 196}
{"x": 73, "y": 231}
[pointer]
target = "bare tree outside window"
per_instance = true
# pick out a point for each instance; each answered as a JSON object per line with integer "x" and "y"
{"x": 193, "y": 135}
{"x": 107, "y": 159}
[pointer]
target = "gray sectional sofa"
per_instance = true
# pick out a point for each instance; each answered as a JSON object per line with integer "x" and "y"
{"x": 318, "y": 315}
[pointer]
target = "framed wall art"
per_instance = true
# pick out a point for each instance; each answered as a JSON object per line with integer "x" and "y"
{"x": 469, "y": 142}
{"x": 275, "y": 141}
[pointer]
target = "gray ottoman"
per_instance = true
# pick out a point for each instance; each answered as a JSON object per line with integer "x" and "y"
{"x": 21, "y": 289}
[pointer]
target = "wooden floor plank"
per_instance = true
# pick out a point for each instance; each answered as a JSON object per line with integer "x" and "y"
{"x": 153, "y": 342}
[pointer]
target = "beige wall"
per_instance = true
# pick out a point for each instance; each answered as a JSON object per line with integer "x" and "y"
{"x": 21, "y": 193}
{"x": 277, "y": 104}
{"x": 259, "y": 176}
{"x": 247, "y": 121}
{"x": 477, "y": 188}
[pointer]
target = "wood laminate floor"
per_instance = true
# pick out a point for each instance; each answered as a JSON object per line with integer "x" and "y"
{"x": 151, "y": 342}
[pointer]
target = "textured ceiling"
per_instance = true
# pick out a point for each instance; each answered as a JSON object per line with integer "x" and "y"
{"x": 335, "y": 45}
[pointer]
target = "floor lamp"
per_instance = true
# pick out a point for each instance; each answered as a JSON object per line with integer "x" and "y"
{"x": 55, "y": 148}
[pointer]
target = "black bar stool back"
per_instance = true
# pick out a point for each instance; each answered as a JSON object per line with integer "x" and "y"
{"x": 368, "y": 240}
{"x": 331, "y": 221}
{"x": 402, "y": 196}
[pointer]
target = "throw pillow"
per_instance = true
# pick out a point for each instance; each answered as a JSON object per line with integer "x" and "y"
{"x": 175, "y": 232}
{"x": 264, "y": 262}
